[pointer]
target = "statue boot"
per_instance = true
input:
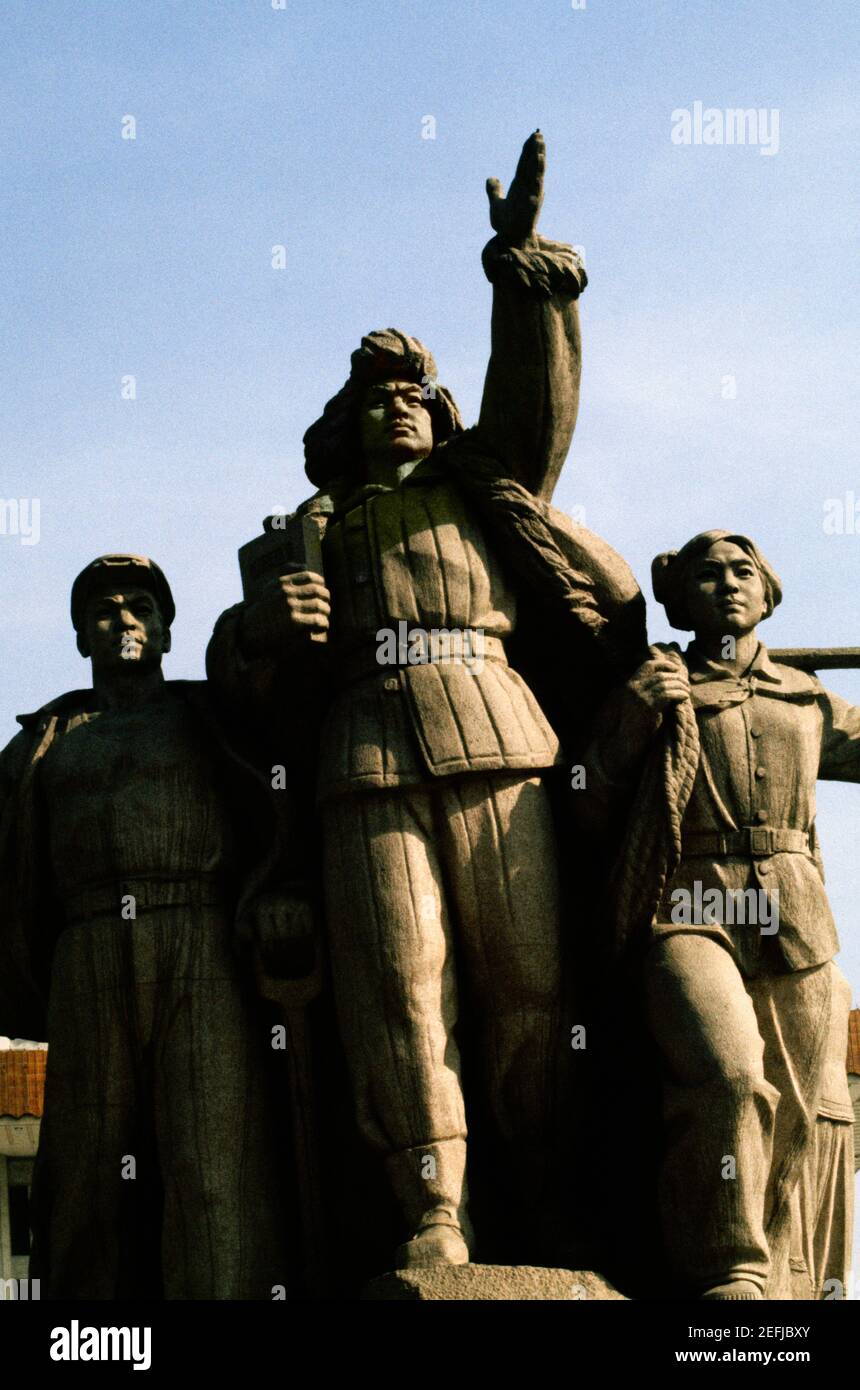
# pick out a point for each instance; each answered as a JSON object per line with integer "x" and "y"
{"x": 735, "y": 1289}
{"x": 429, "y": 1183}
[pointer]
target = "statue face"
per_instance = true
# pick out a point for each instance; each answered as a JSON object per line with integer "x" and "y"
{"x": 124, "y": 631}
{"x": 725, "y": 594}
{"x": 395, "y": 423}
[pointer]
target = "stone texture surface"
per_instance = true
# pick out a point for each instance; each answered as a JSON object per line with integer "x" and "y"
{"x": 125, "y": 838}
{"x": 748, "y": 1011}
{"x": 433, "y": 806}
{"x": 467, "y": 1283}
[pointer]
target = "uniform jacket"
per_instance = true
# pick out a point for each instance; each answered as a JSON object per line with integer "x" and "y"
{"x": 763, "y": 740}
{"x": 467, "y": 541}
{"x": 31, "y": 918}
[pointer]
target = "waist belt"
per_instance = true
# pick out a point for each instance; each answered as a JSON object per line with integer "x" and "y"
{"x": 464, "y": 646}
{"x": 759, "y": 841}
{"x": 149, "y": 893}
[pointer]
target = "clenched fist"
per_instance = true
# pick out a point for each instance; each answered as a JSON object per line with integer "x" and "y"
{"x": 661, "y": 681}
{"x": 297, "y": 610}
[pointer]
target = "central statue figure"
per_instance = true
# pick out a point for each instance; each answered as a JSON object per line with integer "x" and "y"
{"x": 440, "y": 859}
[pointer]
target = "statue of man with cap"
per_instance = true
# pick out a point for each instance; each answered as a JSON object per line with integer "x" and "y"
{"x": 464, "y": 620}
{"x": 125, "y": 828}
{"x": 720, "y": 902}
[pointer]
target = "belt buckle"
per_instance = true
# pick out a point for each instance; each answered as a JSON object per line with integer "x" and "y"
{"x": 761, "y": 840}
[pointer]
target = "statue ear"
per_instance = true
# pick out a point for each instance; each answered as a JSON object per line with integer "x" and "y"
{"x": 166, "y": 644}
{"x": 82, "y": 645}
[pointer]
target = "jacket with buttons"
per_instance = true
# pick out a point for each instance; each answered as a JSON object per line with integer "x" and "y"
{"x": 423, "y": 552}
{"x": 415, "y": 555}
{"x": 765, "y": 737}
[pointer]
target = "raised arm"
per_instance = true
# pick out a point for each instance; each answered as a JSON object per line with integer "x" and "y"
{"x": 531, "y": 391}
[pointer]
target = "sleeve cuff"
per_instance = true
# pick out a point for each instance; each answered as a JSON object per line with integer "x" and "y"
{"x": 547, "y": 269}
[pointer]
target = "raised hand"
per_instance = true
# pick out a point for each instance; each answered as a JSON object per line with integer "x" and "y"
{"x": 515, "y": 217}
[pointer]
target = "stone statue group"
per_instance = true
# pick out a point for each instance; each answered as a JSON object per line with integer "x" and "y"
{"x": 322, "y": 946}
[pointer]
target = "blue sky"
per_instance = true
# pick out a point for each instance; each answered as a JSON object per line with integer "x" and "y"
{"x": 302, "y": 127}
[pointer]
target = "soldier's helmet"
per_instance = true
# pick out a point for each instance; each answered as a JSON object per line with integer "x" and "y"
{"x": 131, "y": 571}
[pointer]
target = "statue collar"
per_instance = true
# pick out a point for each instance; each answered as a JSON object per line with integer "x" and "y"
{"x": 427, "y": 470}
{"x": 73, "y": 702}
{"x": 84, "y": 702}
{"x": 703, "y": 668}
{"x": 712, "y": 683}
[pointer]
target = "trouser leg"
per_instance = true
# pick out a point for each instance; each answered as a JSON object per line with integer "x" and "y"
{"x": 84, "y": 1184}
{"x": 719, "y": 1113}
{"x": 222, "y": 1235}
{"x": 804, "y": 1025}
{"x": 500, "y": 863}
{"x": 823, "y": 1209}
{"x": 393, "y": 973}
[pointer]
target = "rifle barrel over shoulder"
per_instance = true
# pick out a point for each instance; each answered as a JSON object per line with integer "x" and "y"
{"x": 817, "y": 658}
